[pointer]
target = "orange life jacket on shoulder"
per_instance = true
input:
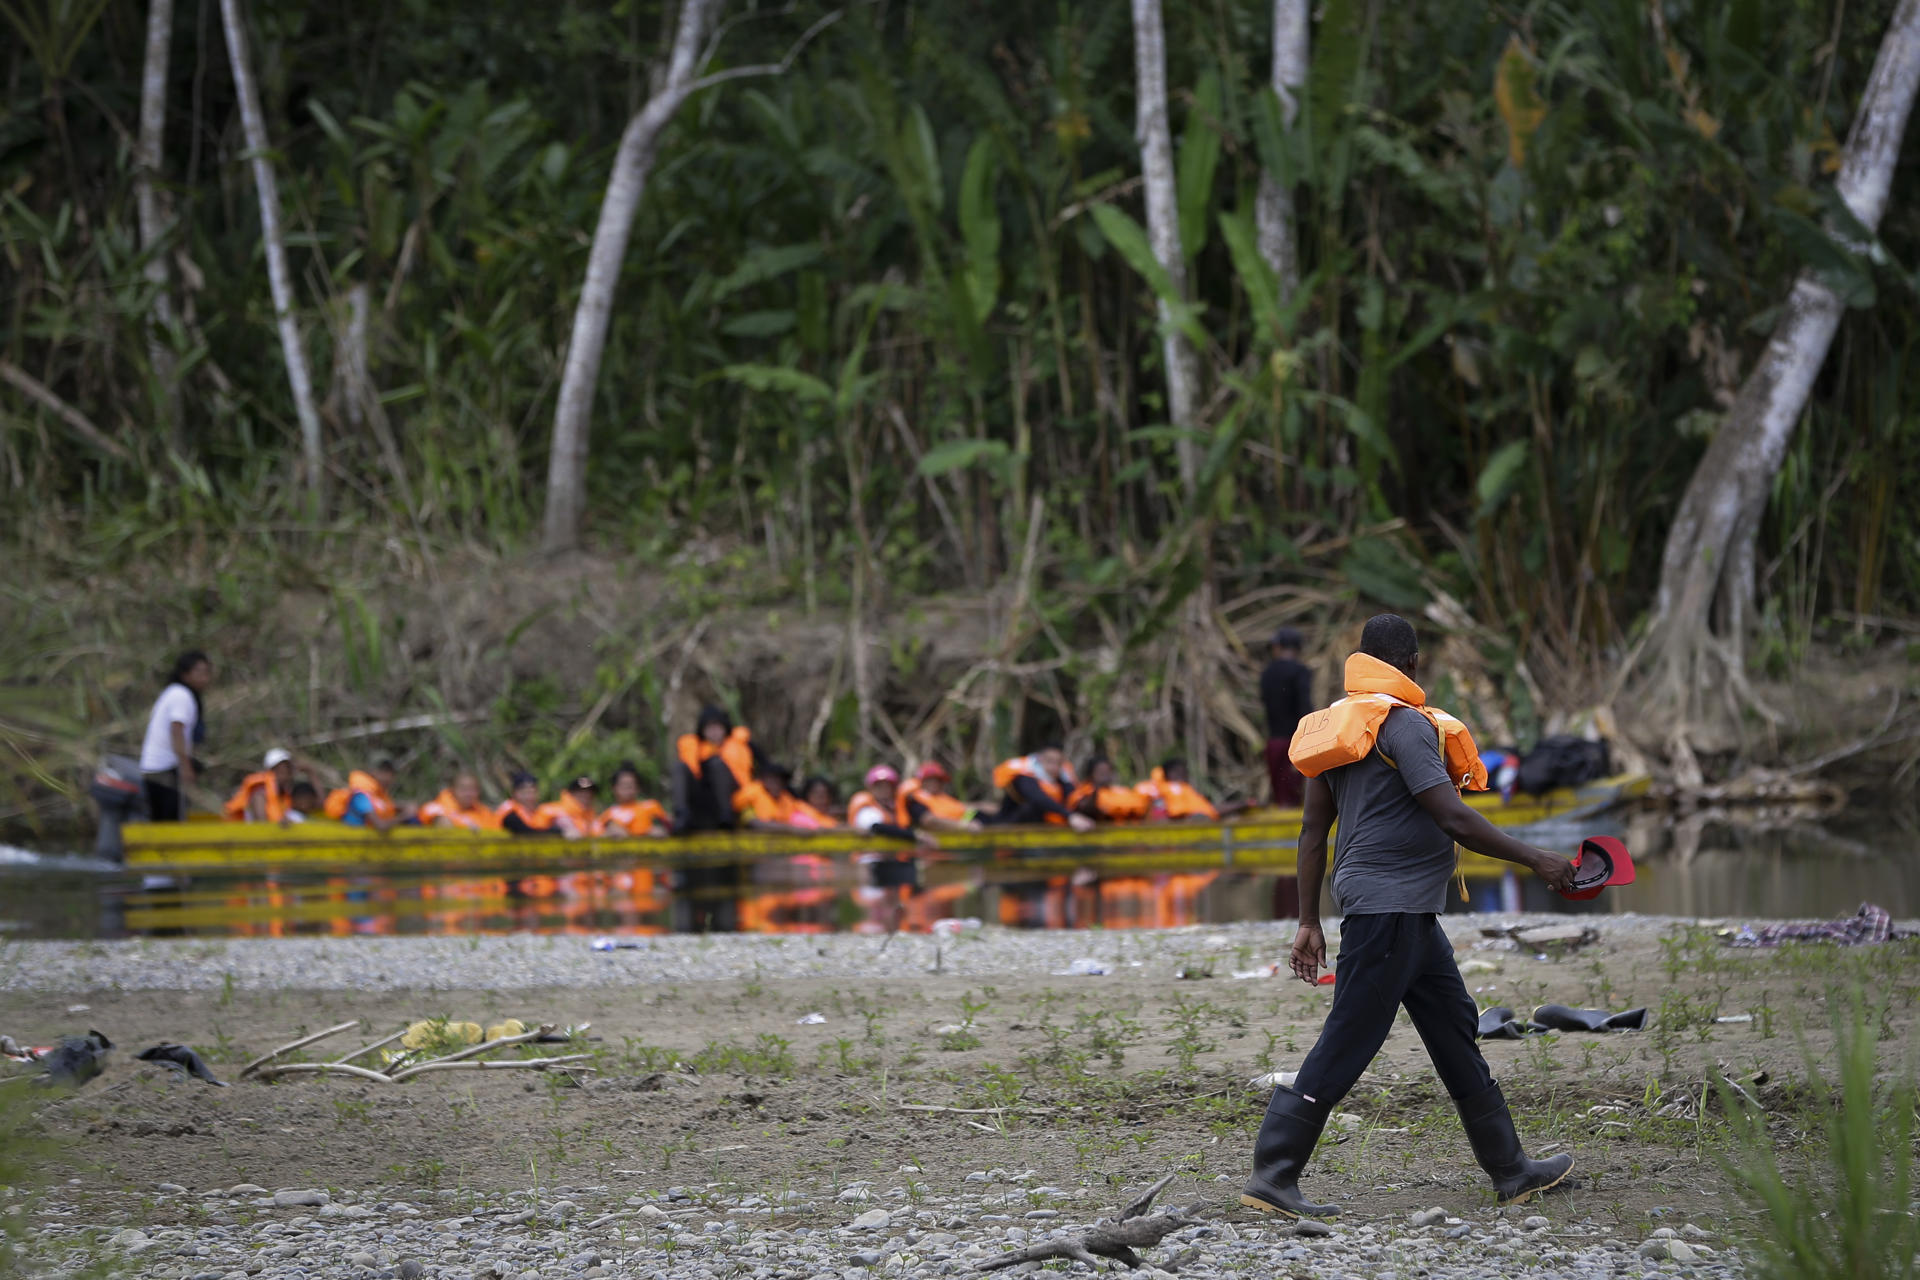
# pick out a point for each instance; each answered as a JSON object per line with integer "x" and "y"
{"x": 1177, "y": 799}
{"x": 362, "y": 784}
{"x": 755, "y": 801}
{"x": 1111, "y": 804}
{"x": 539, "y": 819}
{"x": 444, "y": 805}
{"x": 266, "y": 784}
{"x": 1344, "y": 732}
{"x": 1023, "y": 767}
{"x": 865, "y": 800}
{"x": 636, "y": 819}
{"x": 736, "y": 749}
{"x": 566, "y": 812}
{"x": 944, "y": 806}
{"x": 805, "y": 815}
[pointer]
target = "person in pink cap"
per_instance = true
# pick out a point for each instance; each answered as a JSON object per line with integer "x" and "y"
{"x": 873, "y": 809}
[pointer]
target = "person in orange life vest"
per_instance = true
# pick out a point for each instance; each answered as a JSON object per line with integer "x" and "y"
{"x": 710, "y": 766}
{"x": 1034, "y": 789}
{"x": 521, "y": 813}
{"x": 263, "y": 796}
{"x": 819, "y": 794}
{"x": 629, "y": 815}
{"x": 1104, "y": 801}
{"x": 1389, "y": 767}
{"x": 366, "y": 800}
{"x": 1286, "y": 693}
{"x": 459, "y": 806}
{"x": 1175, "y": 798}
{"x": 573, "y": 815}
{"x": 768, "y": 803}
{"x": 874, "y": 809}
{"x": 923, "y": 802}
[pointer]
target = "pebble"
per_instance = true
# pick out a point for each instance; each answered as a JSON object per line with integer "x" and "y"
{"x": 872, "y": 1220}
{"x": 1308, "y": 1227}
{"x": 411, "y": 1269}
{"x": 1535, "y": 1223}
{"x": 1428, "y": 1217}
{"x": 300, "y": 1199}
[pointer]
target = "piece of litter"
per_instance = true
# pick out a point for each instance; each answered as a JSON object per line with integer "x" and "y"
{"x": 1479, "y": 966}
{"x": 79, "y": 1008}
{"x": 951, "y": 1029}
{"x": 810, "y": 1020}
{"x": 1086, "y": 967}
{"x": 952, "y": 926}
{"x": 1264, "y": 971}
{"x": 618, "y": 944}
{"x": 1274, "y": 1080}
{"x": 1736, "y": 1017}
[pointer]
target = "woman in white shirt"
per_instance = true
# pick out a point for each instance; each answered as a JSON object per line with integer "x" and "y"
{"x": 166, "y": 754}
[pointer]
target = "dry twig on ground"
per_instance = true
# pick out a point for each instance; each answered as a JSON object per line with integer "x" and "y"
{"x": 1114, "y": 1240}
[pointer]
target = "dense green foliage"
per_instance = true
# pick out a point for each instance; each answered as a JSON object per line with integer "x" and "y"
{"x": 880, "y": 309}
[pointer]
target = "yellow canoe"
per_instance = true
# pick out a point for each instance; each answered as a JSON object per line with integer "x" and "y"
{"x": 213, "y": 845}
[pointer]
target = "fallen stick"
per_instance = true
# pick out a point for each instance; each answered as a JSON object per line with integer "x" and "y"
{"x": 257, "y": 1063}
{"x": 364, "y": 1050}
{"x": 977, "y": 1111}
{"x": 519, "y": 1064}
{"x": 1115, "y": 1240}
{"x": 485, "y": 1046}
{"x": 323, "y": 1068}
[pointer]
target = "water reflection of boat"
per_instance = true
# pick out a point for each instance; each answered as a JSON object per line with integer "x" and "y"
{"x": 204, "y": 845}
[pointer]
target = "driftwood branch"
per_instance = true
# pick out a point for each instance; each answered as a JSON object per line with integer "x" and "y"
{"x": 364, "y": 1050}
{"x": 321, "y": 1069}
{"x": 487, "y": 1046}
{"x": 523, "y": 1064}
{"x": 1114, "y": 1240}
{"x": 259, "y": 1062}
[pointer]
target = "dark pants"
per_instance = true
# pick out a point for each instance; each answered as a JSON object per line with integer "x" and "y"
{"x": 165, "y": 801}
{"x": 1387, "y": 961}
{"x": 705, "y": 802}
{"x": 1288, "y": 787}
{"x": 1014, "y": 811}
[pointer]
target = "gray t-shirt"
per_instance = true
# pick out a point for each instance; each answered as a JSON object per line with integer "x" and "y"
{"x": 1388, "y": 854}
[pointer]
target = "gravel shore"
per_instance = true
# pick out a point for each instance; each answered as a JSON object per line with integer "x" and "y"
{"x": 522, "y": 961}
{"x": 874, "y": 1229}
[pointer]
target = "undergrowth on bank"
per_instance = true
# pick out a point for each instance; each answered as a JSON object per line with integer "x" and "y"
{"x": 1848, "y": 1212}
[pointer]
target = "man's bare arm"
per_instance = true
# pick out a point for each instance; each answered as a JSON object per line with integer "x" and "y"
{"x": 1444, "y": 805}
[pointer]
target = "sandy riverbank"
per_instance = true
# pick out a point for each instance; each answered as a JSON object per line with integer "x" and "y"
{"x": 709, "y": 1087}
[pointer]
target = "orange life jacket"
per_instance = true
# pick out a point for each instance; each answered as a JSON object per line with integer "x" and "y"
{"x": 756, "y": 801}
{"x": 566, "y": 812}
{"x": 1023, "y": 767}
{"x": 736, "y": 749}
{"x": 539, "y": 819}
{"x": 950, "y": 808}
{"x": 634, "y": 819}
{"x": 1344, "y": 732}
{"x": 866, "y": 800}
{"x": 363, "y": 784}
{"x": 269, "y": 786}
{"x": 1112, "y": 804}
{"x": 1178, "y": 799}
{"x": 444, "y": 805}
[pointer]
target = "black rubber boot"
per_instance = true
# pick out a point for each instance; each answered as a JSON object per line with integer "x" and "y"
{"x": 1287, "y": 1136}
{"x": 1489, "y": 1126}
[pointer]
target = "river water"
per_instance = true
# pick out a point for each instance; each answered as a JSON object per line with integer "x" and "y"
{"x": 1804, "y": 870}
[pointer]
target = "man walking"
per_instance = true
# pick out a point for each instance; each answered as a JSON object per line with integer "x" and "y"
{"x": 1286, "y": 690}
{"x": 1390, "y": 768}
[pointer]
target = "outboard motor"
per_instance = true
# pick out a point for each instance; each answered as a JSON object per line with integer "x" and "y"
{"x": 121, "y": 796}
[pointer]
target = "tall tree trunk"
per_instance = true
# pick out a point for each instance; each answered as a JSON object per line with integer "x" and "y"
{"x": 1273, "y": 211}
{"x": 572, "y": 418}
{"x": 1163, "y": 228}
{"x": 153, "y": 217}
{"x": 1704, "y": 601}
{"x": 278, "y": 276}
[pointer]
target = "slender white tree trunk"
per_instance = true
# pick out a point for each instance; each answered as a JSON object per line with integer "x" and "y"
{"x": 278, "y": 276}
{"x": 149, "y": 150}
{"x": 1163, "y": 225}
{"x": 1706, "y": 571}
{"x": 573, "y": 417}
{"x": 1273, "y": 211}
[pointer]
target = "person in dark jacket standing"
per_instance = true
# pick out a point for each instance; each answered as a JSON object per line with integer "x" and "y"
{"x": 1286, "y": 687}
{"x": 1400, "y": 817}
